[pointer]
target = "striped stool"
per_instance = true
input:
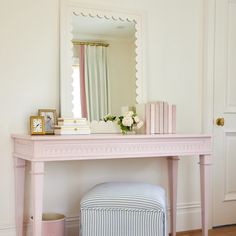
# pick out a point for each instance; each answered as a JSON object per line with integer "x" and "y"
{"x": 124, "y": 209}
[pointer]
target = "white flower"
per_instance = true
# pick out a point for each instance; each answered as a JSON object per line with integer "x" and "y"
{"x": 127, "y": 121}
{"x": 129, "y": 113}
{"x": 140, "y": 124}
{"x": 136, "y": 119}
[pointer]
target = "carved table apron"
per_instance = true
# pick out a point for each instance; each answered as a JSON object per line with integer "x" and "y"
{"x": 41, "y": 149}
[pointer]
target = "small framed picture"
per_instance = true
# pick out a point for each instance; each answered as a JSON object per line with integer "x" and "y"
{"x": 50, "y": 119}
{"x": 37, "y": 125}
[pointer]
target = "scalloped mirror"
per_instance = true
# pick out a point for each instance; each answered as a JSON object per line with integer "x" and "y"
{"x": 101, "y": 61}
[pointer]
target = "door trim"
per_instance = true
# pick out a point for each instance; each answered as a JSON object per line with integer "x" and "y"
{"x": 208, "y": 80}
{"x": 208, "y": 66}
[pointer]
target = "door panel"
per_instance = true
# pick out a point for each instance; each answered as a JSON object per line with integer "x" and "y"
{"x": 224, "y": 195}
{"x": 230, "y": 163}
{"x": 231, "y": 40}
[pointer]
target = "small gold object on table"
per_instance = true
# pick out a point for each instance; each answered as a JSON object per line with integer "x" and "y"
{"x": 37, "y": 125}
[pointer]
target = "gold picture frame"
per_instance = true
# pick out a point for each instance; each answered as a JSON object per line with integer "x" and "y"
{"x": 37, "y": 125}
{"x": 50, "y": 119}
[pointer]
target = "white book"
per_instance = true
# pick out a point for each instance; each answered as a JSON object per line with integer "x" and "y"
{"x": 72, "y": 121}
{"x": 72, "y": 124}
{"x": 72, "y": 131}
{"x": 67, "y": 126}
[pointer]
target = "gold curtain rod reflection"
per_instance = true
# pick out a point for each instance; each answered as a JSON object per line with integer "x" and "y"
{"x": 90, "y": 43}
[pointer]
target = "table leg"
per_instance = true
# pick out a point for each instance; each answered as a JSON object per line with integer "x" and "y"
{"x": 37, "y": 172}
{"x": 205, "y": 163}
{"x": 173, "y": 174}
{"x": 19, "y": 166}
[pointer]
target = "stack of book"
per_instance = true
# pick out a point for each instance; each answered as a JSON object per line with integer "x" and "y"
{"x": 159, "y": 117}
{"x": 72, "y": 126}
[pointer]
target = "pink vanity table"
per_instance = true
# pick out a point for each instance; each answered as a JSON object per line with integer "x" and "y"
{"x": 41, "y": 149}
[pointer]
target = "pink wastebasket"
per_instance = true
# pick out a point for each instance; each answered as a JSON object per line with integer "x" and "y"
{"x": 53, "y": 224}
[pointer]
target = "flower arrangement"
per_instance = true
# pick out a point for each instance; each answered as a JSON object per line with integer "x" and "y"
{"x": 128, "y": 123}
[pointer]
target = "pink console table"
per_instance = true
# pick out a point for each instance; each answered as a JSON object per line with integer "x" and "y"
{"x": 41, "y": 149}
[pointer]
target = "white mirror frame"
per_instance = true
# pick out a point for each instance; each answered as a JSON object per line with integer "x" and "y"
{"x": 67, "y": 9}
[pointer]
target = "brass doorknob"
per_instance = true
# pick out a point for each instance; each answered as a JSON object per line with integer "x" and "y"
{"x": 220, "y": 121}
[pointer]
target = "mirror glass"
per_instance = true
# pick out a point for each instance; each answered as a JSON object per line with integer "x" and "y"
{"x": 103, "y": 65}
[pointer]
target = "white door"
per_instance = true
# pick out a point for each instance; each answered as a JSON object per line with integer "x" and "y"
{"x": 224, "y": 192}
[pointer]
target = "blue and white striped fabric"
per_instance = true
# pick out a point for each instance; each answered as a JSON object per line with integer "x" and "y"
{"x": 124, "y": 209}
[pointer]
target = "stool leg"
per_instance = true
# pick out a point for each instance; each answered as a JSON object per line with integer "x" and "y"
{"x": 173, "y": 174}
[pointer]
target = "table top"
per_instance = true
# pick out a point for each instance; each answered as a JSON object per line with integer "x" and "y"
{"x": 110, "y": 136}
{"x": 109, "y": 146}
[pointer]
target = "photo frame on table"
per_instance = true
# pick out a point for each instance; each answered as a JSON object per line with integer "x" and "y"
{"x": 50, "y": 119}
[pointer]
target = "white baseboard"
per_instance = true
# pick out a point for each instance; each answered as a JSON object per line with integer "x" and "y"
{"x": 188, "y": 218}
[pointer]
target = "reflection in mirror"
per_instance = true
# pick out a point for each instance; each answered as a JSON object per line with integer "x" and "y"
{"x": 104, "y": 74}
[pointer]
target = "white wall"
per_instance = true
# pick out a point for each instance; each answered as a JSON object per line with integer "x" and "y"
{"x": 29, "y": 80}
{"x": 29, "y": 62}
